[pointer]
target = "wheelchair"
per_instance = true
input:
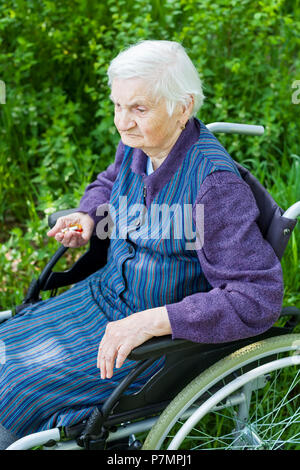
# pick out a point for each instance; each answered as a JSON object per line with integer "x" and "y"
{"x": 237, "y": 395}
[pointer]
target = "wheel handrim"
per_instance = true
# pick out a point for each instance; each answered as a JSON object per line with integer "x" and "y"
{"x": 259, "y": 430}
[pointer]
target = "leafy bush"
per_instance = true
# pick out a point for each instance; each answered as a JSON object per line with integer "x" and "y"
{"x": 57, "y": 127}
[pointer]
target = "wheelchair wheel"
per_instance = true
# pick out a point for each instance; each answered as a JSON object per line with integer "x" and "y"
{"x": 248, "y": 400}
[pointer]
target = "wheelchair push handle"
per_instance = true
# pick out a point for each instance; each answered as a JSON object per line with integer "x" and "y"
{"x": 233, "y": 128}
{"x": 293, "y": 211}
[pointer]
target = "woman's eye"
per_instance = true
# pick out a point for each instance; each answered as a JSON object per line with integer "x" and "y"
{"x": 141, "y": 110}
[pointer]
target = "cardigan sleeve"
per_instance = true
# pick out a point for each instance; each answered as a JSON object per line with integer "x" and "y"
{"x": 98, "y": 192}
{"x": 240, "y": 265}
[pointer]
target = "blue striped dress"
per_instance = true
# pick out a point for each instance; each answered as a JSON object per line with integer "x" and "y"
{"x": 50, "y": 377}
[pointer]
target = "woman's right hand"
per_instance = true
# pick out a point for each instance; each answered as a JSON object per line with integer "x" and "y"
{"x": 69, "y": 238}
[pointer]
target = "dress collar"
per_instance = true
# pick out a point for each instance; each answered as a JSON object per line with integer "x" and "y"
{"x": 160, "y": 177}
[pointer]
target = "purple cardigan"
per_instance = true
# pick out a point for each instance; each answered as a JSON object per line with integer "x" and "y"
{"x": 240, "y": 265}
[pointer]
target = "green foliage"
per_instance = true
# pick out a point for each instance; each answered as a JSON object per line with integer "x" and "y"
{"x": 56, "y": 128}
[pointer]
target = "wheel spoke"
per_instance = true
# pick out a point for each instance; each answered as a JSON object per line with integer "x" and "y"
{"x": 262, "y": 414}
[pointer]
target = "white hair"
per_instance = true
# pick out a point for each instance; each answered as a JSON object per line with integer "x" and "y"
{"x": 166, "y": 67}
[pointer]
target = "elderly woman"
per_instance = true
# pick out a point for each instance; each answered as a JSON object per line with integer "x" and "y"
{"x": 224, "y": 285}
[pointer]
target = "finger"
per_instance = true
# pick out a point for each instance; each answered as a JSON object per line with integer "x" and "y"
{"x": 59, "y": 237}
{"x": 109, "y": 366}
{"x": 122, "y": 355}
{"x": 102, "y": 368}
{"x": 98, "y": 358}
{"x": 106, "y": 363}
{"x": 99, "y": 354}
{"x": 106, "y": 366}
{"x": 60, "y": 224}
{"x": 101, "y": 359}
{"x": 85, "y": 236}
{"x": 87, "y": 230}
{"x": 52, "y": 231}
{"x": 75, "y": 240}
{"x": 68, "y": 239}
{"x": 100, "y": 350}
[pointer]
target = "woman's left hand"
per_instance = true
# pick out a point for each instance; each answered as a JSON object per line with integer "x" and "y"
{"x": 122, "y": 336}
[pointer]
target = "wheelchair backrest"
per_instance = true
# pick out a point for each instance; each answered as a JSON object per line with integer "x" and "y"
{"x": 274, "y": 227}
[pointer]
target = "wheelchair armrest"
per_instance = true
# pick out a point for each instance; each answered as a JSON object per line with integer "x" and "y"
{"x": 156, "y": 347}
{"x": 159, "y": 346}
{"x": 53, "y": 217}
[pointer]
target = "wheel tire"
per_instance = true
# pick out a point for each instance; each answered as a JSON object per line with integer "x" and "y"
{"x": 216, "y": 378}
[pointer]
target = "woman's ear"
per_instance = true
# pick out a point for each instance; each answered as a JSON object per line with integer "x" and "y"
{"x": 190, "y": 105}
{"x": 186, "y": 111}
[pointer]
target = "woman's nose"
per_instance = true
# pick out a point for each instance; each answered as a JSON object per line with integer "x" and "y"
{"x": 124, "y": 121}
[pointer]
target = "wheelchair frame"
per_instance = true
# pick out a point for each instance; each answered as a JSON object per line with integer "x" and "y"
{"x": 120, "y": 409}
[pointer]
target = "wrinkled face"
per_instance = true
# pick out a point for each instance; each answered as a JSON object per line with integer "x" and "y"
{"x": 142, "y": 121}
